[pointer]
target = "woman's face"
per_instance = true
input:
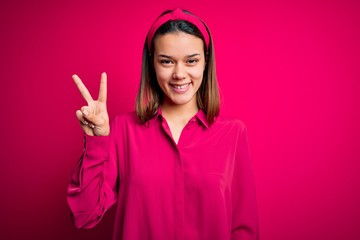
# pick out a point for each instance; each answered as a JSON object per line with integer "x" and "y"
{"x": 179, "y": 63}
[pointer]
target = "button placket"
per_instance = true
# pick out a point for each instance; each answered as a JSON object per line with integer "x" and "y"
{"x": 179, "y": 196}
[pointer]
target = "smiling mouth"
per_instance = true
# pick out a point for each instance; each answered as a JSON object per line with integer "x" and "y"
{"x": 183, "y": 86}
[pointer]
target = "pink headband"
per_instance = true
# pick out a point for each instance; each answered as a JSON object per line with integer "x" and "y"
{"x": 178, "y": 14}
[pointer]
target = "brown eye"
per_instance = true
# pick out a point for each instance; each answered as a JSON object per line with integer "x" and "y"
{"x": 193, "y": 61}
{"x": 165, "y": 61}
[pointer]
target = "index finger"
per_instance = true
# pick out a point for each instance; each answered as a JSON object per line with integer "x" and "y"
{"x": 83, "y": 90}
{"x": 103, "y": 88}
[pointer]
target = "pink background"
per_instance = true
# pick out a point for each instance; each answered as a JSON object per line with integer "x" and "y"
{"x": 288, "y": 69}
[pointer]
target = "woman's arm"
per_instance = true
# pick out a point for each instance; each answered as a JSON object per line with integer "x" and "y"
{"x": 93, "y": 187}
{"x": 245, "y": 218}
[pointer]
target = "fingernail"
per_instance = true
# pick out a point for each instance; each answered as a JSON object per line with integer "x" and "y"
{"x": 85, "y": 112}
{"x": 86, "y": 123}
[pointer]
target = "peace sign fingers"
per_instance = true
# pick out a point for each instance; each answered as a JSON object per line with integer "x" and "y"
{"x": 93, "y": 118}
{"x": 83, "y": 90}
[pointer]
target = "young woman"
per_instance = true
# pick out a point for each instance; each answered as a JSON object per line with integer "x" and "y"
{"x": 174, "y": 167}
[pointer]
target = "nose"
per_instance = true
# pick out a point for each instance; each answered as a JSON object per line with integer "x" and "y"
{"x": 179, "y": 72}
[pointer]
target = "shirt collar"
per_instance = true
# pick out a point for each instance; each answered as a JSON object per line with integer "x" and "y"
{"x": 151, "y": 122}
{"x": 201, "y": 116}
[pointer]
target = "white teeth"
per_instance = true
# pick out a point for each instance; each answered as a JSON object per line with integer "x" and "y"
{"x": 180, "y": 86}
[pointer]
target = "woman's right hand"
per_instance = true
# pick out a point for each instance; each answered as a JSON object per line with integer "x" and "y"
{"x": 93, "y": 118}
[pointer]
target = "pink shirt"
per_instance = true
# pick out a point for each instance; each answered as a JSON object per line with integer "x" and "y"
{"x": 201, "y": 188}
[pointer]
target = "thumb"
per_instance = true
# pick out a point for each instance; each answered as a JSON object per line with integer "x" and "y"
{"x": 86, "y": 111}
{"x": 90, "y": 116}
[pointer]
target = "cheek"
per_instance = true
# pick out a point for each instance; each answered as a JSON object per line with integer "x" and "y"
{"x": 197, "y": 73}
{"x": 163, "y": 77}
{"x": 162, "y": 73}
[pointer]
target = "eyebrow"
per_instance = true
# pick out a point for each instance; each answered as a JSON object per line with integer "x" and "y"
{"x": 189, "y": 56}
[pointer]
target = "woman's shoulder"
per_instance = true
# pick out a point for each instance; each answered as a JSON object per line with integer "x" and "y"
{"x": 126, "y": 118}
{"x": 230, "y": 122}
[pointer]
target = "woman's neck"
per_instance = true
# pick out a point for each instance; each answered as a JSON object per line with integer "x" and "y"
{"x": 179, "y": 113}
{"x": 177, "y": 116}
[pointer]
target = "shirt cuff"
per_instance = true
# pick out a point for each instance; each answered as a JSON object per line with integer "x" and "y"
{"x": 96, "y": 147}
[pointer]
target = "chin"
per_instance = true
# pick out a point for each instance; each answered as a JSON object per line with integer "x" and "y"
{"x": 181, "y": 101}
